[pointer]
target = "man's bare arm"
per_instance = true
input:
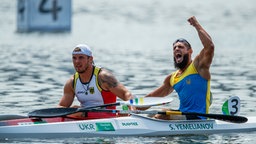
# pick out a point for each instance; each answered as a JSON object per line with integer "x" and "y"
{"x": 204, "y": 59}
{"x": 108, "y": 82}
{"x": 164, "y": 90}
{"x": 68, "y": 94}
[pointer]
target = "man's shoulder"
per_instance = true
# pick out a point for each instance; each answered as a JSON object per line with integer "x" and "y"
{"x": 104, "y": 71}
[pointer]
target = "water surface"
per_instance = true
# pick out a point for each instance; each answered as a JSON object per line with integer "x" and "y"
{"x": 132, "y": 39}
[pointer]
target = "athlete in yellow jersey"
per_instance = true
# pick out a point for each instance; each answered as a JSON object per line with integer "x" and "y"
{"x": 192, "y": 79}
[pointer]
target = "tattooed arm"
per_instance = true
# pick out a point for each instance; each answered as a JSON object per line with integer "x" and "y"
{"x": 108, "y": 82}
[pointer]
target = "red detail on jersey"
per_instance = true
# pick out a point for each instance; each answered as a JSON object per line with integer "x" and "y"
{"x": 108, "y": 97}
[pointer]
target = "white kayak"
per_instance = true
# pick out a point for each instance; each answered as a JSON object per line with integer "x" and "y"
{"x": 134, "y": 125}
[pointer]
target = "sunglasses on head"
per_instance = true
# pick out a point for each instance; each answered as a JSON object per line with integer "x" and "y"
{"x": 182, "y": 40}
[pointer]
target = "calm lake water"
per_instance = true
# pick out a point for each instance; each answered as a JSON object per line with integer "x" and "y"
{"x": 132, "y": 39}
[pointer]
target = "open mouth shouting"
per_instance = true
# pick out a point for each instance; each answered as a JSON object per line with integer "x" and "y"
{"x": 178, "y": 58}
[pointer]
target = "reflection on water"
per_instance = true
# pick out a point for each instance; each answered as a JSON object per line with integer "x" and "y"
{"x": 132, "y": 39}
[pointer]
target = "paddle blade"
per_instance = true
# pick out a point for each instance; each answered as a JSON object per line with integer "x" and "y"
{"x": 227, "y": 118}
{"x": 52, "y": 112}
{"x": 234, "y": 119}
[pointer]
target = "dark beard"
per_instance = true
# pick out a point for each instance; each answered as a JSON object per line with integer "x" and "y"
{"x": 183, "y": 64}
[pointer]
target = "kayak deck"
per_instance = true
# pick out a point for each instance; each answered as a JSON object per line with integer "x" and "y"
{"x": 134, "y": 125}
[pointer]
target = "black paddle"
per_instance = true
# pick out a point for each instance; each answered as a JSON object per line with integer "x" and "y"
{"x": 227, "y": 118}
{"x": 59, "y": 112}
{"x": 136, "y": 102}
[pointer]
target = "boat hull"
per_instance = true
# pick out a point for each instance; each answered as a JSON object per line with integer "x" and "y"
{"x": 134, "y": 125}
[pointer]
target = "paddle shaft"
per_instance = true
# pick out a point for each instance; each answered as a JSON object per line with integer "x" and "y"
{"x": 228, "y": 118}
{"x": 11, "y": 117}
{"x": 99, "y": 106}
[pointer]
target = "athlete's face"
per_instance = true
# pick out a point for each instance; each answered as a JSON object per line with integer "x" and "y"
{"x": 181, "y": 55}
{"x": 81, "y": 62}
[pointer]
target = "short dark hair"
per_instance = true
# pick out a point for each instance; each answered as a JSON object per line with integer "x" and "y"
{"x": 182, "y": 40}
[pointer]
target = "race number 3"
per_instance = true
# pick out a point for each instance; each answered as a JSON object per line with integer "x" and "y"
{"x": 43, "y": 15}
{"x": 231, "y": 106}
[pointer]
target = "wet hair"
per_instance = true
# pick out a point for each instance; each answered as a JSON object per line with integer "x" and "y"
{"x": 182, "y": 40}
